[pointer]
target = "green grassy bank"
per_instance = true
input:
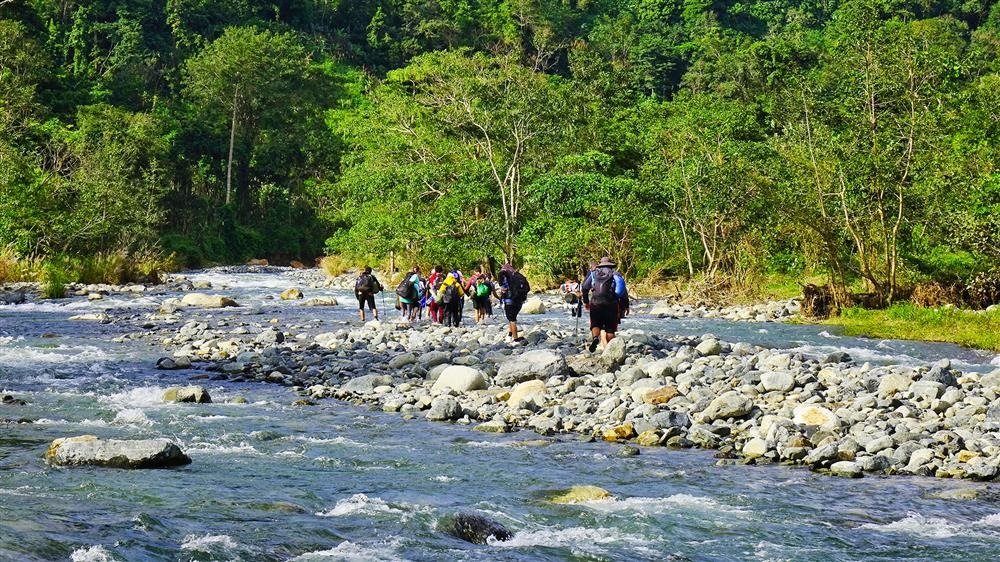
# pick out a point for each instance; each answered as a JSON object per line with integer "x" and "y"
{"x": 906, "y": 321}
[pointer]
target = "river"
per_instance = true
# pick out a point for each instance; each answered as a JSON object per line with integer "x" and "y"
{"x": 272, "y": 481}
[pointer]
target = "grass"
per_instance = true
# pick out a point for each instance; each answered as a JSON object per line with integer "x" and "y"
{"x": 976, "y": 329}
{"x": 113, "y": 268}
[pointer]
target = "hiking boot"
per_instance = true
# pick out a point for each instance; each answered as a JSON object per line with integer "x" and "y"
{"x": 593, "y": 345}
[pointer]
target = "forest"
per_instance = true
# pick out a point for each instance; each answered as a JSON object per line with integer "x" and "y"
{"x": 856, "y": 141}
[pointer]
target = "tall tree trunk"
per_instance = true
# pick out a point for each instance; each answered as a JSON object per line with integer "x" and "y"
{"x": 232, "y": 141}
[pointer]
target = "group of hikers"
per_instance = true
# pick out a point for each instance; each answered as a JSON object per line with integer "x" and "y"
{"x": 442, "y": 295}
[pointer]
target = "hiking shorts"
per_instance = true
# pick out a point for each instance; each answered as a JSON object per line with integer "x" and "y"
{"x": 364, "y": 299}
{"x": 481, "y": 303}
{"x": 510, "y": 310}
{"x": 604, "y": 317}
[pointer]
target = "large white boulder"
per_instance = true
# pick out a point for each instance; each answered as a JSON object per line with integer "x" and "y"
{"x": 536, "y": 364}
{"x": 202, "y": 300}
{"x": 460, "y": 378}
{"x": 115, "y": 453}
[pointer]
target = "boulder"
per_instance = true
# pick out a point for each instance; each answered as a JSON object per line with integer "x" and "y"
{"x": 201, "y": 300}
{"x": 534, "y": 305}
{"x": 9, "y": 400}
{"x": 815, "y": 416}
{"x": 579, "y": 494}
{"x": 402, "y": 360}
{"x": 755, "y": 448}
{"x": 659, "y": 368}
{"x": 838, "y": 357}
{"x": 434, "y": 358}
{"x": 660, "y": 395}
{"x": 461, "y": 379}
{"x": 846, "y": 469}
{"x": 195, "y": 394}
{"x": 525, "y": 390}
{"x": 320, "y": 301}
{"x": 365, "y": 384}
{"x": 779, "y": 381}
{"x": 269, "y": 336}
{"x": 669, "y": 419}
{"x": 476, "y": 529}
{"x": 537, "y": 364}
{"x": 613, "y": 355}
{"x": 292, "y": 293}
{"x": 166, "y": 364}
{"x": 709, "y": 347}
{"x": 99, "y": 317}
{"x": 444, "y": 408}
{"x": 730, "y": 404}
{"x": 892, "y": 384}
{"x": 88, "y": 450}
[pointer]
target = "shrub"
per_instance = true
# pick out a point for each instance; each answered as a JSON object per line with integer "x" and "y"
{"x": 984, "y": 289}
{"x": 934, "y": 294}
{"x": 54, "y": 279}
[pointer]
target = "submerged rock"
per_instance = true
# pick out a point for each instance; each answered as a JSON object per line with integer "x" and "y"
{"x": 476, "y": 529}
{"x": 579, "y": 494}
{"x": 89, "y": 450}
{"x": 196, "y": 394}
{"x": 292, "y": 293}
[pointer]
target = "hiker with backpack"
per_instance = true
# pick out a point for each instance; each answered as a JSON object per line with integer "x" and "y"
{"x": 602, "y": 291}
{"x": 571, "y": 295}
{"x": 434, "y": 309}
{"x": 365, "y": 289}
{"x": 450, "y": 296}
{"x": 409, "y": 291}
{"x": 513, "y": 292}
{"x": 479, "y": 288}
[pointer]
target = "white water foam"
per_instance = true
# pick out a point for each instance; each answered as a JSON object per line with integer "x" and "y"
{"x": 132, "y": 416}
{"x": 828, "y": 335}
{"x": 938, "y": 527}
{"x": 578, "y": 539}
{"x": 353, "y": 552}
{"x": 141, "y": 397}
{"x": 330, "y": 441}
{"x": 651, "y": 506}
{"x": 443, "y": 478}
{"x": 96, "y": 553}
{"x": 359, "y": 503}
{"x": 243, "y": 448}
{"x": 28, "y": 357}
{"x": 208, "y": 543}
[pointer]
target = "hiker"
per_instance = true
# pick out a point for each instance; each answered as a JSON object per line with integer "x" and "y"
{"x": 450, "y": 296}
{"x": 513, "y": 291}
{"x": 601, "y": 293}
{"x": 479, "y": 289}
{"x": 409, "y": 293}
{"x": 434, "y": 308}
{"x": 571, "y": 295}
{"x": 365, "y": 289}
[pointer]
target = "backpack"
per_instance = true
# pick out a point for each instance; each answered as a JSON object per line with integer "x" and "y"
{"x": 406, "y": 290}
{"x": 482, "y": 289}
{"x": 366, "y": 285}
{"x": 602, "y": 288}
{"x": 620, "y": 289}
{"x": 451, "y": 294}
{"x": 517, "y": 287}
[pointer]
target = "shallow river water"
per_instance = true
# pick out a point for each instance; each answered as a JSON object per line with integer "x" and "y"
{"x": 270, "y": 481}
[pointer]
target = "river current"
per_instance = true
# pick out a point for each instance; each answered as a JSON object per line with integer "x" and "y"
{"x": 272, "y": 481}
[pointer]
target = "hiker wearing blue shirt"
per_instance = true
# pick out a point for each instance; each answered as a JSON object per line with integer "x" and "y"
{"x": 602, "y": 294}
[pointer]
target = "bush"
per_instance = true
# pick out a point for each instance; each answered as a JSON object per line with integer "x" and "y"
{"x": 936, "y": 294}
{"x": 984, "y": 289}
{"x": 54, "y": 279}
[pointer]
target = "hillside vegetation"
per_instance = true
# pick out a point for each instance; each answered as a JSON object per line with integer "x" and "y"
{"x": 719, "y": 140}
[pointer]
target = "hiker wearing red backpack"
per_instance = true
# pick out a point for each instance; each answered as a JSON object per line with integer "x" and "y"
{"x": 602, "y": 293}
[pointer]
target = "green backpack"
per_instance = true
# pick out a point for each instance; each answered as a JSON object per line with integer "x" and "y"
{"x": 482, "y": 289}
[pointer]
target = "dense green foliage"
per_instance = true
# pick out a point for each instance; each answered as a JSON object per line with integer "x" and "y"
{"x": 726, "y": 138}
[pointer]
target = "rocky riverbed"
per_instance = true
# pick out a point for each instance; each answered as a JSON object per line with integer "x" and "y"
{"x": 752, "y": 404}
{"x": 390, "y": 441}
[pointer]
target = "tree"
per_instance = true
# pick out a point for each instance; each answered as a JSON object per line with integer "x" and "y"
{"x": 501, "y": 114}
{"x": 246, "y": 80}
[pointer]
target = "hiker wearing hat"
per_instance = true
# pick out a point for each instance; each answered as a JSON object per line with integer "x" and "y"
{"x": 602, "y": 290}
